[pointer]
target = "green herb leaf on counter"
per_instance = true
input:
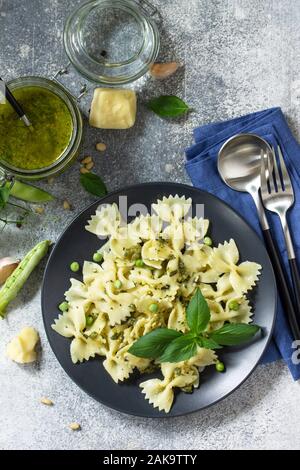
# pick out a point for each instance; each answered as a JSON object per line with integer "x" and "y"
{"x": 27, "y": 192}
{"x": 93, "y": 184}
{"x": 168, "y": 106}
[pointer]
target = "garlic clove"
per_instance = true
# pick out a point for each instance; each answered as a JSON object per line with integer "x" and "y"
{"x": 7, "y": 267}
{"x": 163, "y": 70}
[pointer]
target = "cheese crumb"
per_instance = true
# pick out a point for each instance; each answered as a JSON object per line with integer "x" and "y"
{"x": 21, "y": 348}
{"x": 113, "y": 108}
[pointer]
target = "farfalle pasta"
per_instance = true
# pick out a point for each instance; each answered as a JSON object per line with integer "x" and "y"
{"x": 150, "y": 271}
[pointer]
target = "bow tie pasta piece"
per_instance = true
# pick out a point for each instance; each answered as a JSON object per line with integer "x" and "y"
{"x": 77, "y": 295}
{"x": 195, "y": 229}
{"x": 203, "y": 358}
{"x": 116, "y": 362}
{"x": 174, "y": 234}
{"x": 242, "y": 277}
{"x": 72, "y": 322}
{"x": 64, "y": 325}
{"x": 177, "y": 318}
{"x": 160, "y": 393}
{"x": 90, "y": 272}
{"x": 172, "y": 208}
{"x": 124, "y": 247}
{"x": 224, "y": 257}
{"x": 106, "y": 221}
{"x": 143, "y": 304}
{"x": 219, "y": 315}
{"x": 154, "y": 252}
{"x": 243, "y": 314}
{"x": 97, "y": 326}
{"x": 82, "y": 349}
{"x": 122, "y": 275}
{"x": 196, "y": 261}
{"x": 145, "y": 227}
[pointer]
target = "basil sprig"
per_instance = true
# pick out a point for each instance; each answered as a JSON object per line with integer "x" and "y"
{"x": 169, "y": 345}
{"x": 168, "y": 106}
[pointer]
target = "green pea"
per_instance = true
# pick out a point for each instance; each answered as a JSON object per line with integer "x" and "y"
{"x": 153, "y": 308}
{"x": 74, "y": 267}
{"x": 208, "y": 241}
{"x": 139, "y": 263}
{"x": 234, "y": 305}
{"x": 220, "y": 366}
{"x": 64, "y": 307}
{"x": 89, "y": 320}
{"x": 118, "y": 284}
{"x": 97, "y": 257}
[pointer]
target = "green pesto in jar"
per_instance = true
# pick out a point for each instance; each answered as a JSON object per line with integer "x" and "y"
{"x": 44, "y": 143}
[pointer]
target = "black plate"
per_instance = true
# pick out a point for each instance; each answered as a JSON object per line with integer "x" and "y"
{"x": 78, "y": 244}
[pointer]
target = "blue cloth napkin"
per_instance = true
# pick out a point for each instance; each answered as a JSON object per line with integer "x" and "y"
{"x": 201, "y": 166}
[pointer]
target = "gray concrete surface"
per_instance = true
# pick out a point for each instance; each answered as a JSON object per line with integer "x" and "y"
{"x": 239, "y": 56}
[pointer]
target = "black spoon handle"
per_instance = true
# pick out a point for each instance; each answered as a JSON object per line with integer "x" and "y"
{"x": 12, "y": 101}
{"x": 296, "y": 282}
{"x": 282, "y": 284}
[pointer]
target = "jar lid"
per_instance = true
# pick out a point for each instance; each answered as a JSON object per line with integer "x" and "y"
{"x": 112, "y": 42}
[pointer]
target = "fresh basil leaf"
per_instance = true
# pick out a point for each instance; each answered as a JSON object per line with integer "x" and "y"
{"x": 153, "y": 344}
{"x": 4, "y": 194}
{"x": 234, "y": 333}
{"x": 180, "y": 349}
{"x": 168, "y": 106}
{"x": 197, "y": 313}
{"x": 208, "y": 343}
{"x": 93, "y": 184}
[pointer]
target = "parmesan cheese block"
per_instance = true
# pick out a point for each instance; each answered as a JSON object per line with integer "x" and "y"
{"x": 113, "y": 108}
{"x": 21, "y": 349}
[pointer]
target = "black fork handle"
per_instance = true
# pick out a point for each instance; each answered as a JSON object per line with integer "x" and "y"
{"x": 282, "y": 284}
{"x": 296, "y": 282}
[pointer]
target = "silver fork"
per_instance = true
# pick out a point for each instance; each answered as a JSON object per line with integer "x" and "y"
{"x": 278, "y": 196}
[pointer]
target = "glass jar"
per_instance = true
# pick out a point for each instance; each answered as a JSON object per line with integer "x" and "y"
{"x": 112, "y": 42}
{"x": 70, "y": 153}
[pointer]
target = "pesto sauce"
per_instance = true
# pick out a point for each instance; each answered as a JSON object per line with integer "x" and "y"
{"x": 31, "y": 149}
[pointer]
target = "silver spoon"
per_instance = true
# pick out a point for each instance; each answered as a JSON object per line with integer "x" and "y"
{"x": 239, "y": 165}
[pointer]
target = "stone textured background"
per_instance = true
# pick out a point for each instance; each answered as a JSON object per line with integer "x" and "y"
{"x": 239, "y": 56}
